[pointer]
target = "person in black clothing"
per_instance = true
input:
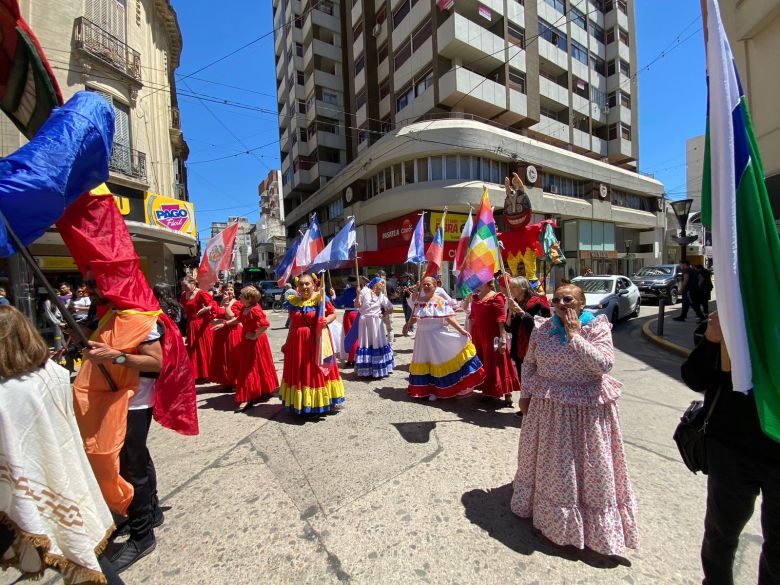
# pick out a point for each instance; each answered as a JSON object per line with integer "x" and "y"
{"x": 407, "y": 290}
{"x": 704, "y": 290}
{"x": 524, "y": 305}
{"x": 690, "y": 291}
{"x": 743, "y": 462}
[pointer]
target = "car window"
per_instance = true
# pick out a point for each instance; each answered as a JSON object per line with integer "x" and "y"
{"x": 595, "y": 285}
{"x": 656, "y": 271}
{"x": 624, "y": 283}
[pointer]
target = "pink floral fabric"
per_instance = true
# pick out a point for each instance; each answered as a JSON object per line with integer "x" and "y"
{"x": 572, "y": 477}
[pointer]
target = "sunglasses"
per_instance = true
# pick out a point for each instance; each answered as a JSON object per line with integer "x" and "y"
{"x": 567, "y": 300}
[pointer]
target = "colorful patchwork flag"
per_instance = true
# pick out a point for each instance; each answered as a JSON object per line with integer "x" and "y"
{"x": 463, "y": 245}
{"x": 745, "y": 246}
{"x": 481, "y": 260}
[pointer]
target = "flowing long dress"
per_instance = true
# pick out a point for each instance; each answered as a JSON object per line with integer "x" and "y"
{"x": 444, "y": 362}
{"x": 224, "y": 362}
{"x": 374, "y": 358}
{"x": 256, "y": 376}
{"x": 200, "y": 335}
{"x": 346, "y": 300}
{"x": 487, "y": 317}
{"x": 572, "y": 477}
{"x": 305, "y": 387}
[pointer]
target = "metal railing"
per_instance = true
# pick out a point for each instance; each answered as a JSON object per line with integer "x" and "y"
{"x": 107, "y": 48}
{"x": 128, "y": 161}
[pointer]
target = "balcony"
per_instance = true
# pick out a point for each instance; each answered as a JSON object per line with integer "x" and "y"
{"x": 108, "y": 49}
{"x": 128, "y": 162}
{"x": 460, "y": 37}
{"x": 460, "y": 86}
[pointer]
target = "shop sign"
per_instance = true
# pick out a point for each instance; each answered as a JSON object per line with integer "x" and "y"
{"x": 56, "y": 263}
{"x": 453, "y": 225}
{"x": 604, "y": 254}
{"x": 173, "y": 214}
{"x": 396, "y": 232}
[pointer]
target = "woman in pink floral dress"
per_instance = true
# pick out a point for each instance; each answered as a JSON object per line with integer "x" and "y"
{"x": 572, "y": 477}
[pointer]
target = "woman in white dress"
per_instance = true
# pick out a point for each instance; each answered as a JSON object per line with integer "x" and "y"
{"x": 374, "y": 357}
{"x": 444, "y": 361}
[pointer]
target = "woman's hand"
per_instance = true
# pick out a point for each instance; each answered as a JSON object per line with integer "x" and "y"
{"x": 203, "y": 311}
{"x": 713, "y": 333}
{"x": 502, "y": 345}
{"x": 218, "y": 325}
{"x": 572, "y": 323}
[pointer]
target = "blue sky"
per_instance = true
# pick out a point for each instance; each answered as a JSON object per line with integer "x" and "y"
{"x": 672, "y": 97}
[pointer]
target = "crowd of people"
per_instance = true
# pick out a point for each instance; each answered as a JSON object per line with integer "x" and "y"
{"x": 571, "y": 480}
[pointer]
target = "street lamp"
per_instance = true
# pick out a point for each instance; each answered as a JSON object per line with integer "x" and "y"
{"x": 682, "y": 209}
{"x": 628, "y": 256}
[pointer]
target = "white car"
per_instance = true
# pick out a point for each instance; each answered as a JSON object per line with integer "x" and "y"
{"x": 614, "y": 296}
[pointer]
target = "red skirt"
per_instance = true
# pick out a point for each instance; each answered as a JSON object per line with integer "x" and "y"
{"x": 224, "y": 365}
{"x": 256, "y": 373}
{"x": 349, "y": 319}
{"x": 500, "y": 372}
{"x": 200, "y": 346}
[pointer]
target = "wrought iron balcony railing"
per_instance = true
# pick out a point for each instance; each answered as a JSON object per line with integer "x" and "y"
{"x": 128, "y": 161}
{"x": 107, "y": 48}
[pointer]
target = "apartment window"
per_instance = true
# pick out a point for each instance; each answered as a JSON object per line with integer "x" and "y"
{"x": 598, "y": 64}
{"x": 402, "y": 54}
{"x": 517, "y": 80}
{"x": 358, "y": 30}
{"x": 552, "y": 35}
{"x": 301, "y": 106}
{"x": 397, "y": 175}
{"x": 330, "y": 98}
{"x": 421, "y": 34}
{"x": 610, "y": 35}
{"x": 625, "y": 68}
{"x": 515, "y": 34}
{"x": 408, "y": 172}
{"x": 384, "y": 124}
{"x": 612, "y": 99}
{"x": 380, "y": 182}
{"x": 613, "y": 132}
{"x": 326, "y": 6}
{"x": 289, "y": 55}
{"x": 579, "y": 52}
{"x": 422, "y": 170}
{"x": 329, "y": 125}
{"x": 578, "y": 18}
{"x": 451, "y": 171}
{"x": 625, "y": 100}
{"x": 559, "y": 5}
{"x": 332, "y": 155}
{"x": 381, "y": 53}
{"x": 336, "y": 209}
{"x": 293, "y": 139}
{"x": 360, "y": 64}
{"x": 625, "y": 132}
{"x": 608, "y": 5}
{"x": 401, "y": 13}
{"x": 423, "y": 82}
{"x": 403, "y": 98}
{"x": 623, "y": 36}
{"x": 360, "y": 100}
{"x": 299, "y": 49}
{"x": 623, "y": 6}
{"x": 381, "y": 15}
{"x": 304, "y": 134}
{"x": 597, "y": 32}
{"x": 384, "y": 88}
{"x": 564, "y": 185}
{"x": 362, "y": 135}
{"x": 611, "y": 68}
{"x": 298, "y": 22}
{"x": 300, "y": 78}
{"x": 437, "y": 168}
{"x": 580, "y": 87}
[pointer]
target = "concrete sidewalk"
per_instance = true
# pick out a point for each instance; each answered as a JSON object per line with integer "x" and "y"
{"x": 677, "y": 335}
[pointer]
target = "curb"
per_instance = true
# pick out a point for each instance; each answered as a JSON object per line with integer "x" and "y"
{"x": 664, "y": 343}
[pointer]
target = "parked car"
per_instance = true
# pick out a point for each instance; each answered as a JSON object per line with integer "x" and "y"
{"x": 614, "y": 296}
{"x": 271, "y": 292}
{"x": 662, "y": 281}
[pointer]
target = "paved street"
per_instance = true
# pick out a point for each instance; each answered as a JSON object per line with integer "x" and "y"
{"x": 393, "y": 490}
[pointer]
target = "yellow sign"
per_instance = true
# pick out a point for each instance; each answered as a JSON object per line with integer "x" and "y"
{"x": 123, "y": 203}
{"x": 56, "y": 263}
{"x": 453, "y": 225}
{"x": 172, "y": 214}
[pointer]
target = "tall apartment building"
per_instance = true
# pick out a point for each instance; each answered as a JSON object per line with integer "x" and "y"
{"x": 389, "y": 107}
{"x": 270, "y": 239}
{"x": 128, "y": 52}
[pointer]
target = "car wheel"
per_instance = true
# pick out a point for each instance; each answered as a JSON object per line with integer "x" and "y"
{"x": 636, "y": 307}
{"x": 672, "y": 296}
{"x": 615, "y": 316}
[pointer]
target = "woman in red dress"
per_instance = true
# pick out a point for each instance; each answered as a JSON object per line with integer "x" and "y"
{"x": 198, "y": 306}
{"x": 488, "y": 314}
{"x": 227, "y": 336}
{"x": 256, "y": 378}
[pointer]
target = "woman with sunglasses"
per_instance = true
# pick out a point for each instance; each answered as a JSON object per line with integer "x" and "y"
{"x": 572, "y": 477}
{"x": 487, "y": 316}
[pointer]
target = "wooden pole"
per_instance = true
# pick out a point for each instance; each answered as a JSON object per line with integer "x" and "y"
{"x": 66, "y": 315}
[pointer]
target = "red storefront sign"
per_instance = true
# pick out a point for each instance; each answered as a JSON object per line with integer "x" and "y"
{"x": 396, "y": 232}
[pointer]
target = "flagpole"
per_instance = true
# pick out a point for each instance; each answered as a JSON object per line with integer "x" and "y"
{"x": 66, "y": 315}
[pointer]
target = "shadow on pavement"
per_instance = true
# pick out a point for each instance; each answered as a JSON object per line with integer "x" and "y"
{"x": 627, "y": 337}
{"x": 489, "y": 509}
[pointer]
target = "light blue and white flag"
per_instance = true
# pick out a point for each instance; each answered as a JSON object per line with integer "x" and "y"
{"x": 416, "y": 253}
{"x": 339, "y": 250}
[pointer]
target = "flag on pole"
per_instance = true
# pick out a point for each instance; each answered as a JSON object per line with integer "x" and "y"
{"x": 282, "y": 271}
{"x": 416, "y": 253}
{"x": 463, "y": 245}
{"x": 745, "y": 247}
{"x": 482, "y": 255}
{"x": 217, "y": 256}
{"x": 340, "y": 249}
{"x": 311, "y": 244}
{"x": 435, "y": 253}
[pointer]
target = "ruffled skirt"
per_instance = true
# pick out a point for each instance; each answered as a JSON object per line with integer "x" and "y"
{"x": 374, "y": 358}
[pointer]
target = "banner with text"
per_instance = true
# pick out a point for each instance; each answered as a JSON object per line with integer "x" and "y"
{"x": 173, "y": 214}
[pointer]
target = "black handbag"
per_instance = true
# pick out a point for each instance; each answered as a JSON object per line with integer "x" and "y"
{"x": 691, "y": 434}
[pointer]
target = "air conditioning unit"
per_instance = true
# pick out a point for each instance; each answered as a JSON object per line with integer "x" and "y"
{"x": 377, "y": 30}
{"x": 554, "y": 189}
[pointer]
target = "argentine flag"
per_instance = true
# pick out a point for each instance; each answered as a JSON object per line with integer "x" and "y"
{"x": 746, "y": 248}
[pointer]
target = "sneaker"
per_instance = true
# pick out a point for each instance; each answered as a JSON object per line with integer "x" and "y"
{"x": 678, "y": 318}
{"x": 133, "y": 550}
{"x": 432, "y": 398}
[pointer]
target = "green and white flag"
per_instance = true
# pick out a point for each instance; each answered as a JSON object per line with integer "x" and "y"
{"x": 745, "y": 244}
